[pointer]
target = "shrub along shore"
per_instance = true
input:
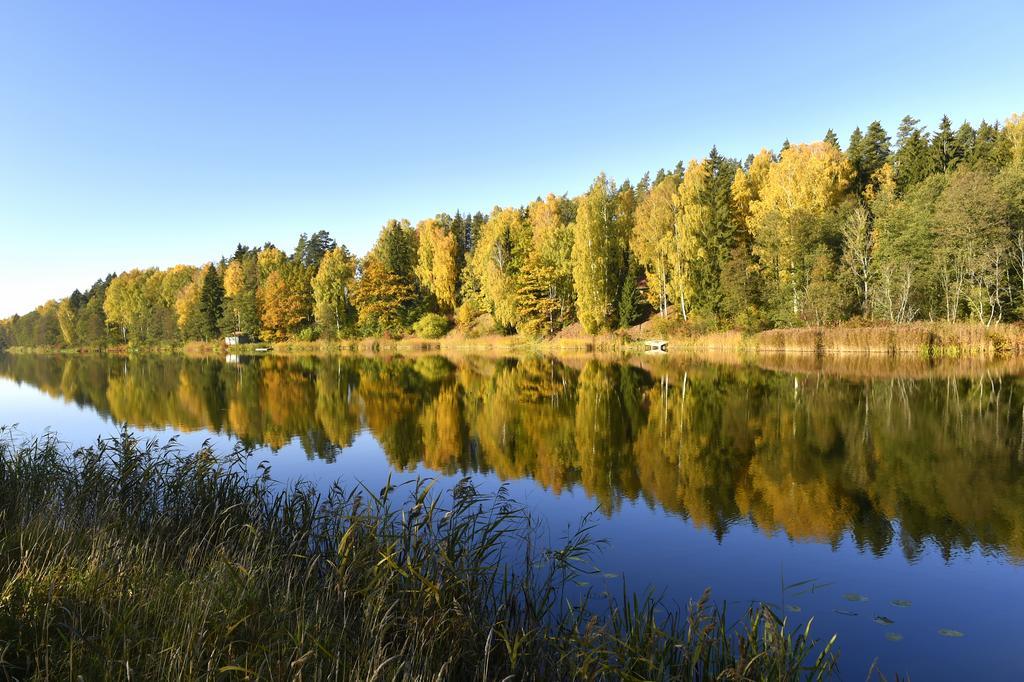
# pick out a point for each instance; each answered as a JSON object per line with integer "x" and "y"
{"x": 922, "y": 339}
{"x": 136, "y": 560}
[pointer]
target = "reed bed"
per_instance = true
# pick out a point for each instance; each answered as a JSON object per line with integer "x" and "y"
{"x": 133, "y": 559}
{"x": 929, "y": 339}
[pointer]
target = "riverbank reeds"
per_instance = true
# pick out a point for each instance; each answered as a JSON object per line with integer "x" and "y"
{"x": 924, "y": 339}
{"x": 136, "y": 560}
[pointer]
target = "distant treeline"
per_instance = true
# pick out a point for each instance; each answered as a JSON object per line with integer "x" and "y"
{"x": 930, "y": 226}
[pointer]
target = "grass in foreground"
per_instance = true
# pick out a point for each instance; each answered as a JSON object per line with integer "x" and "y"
{"x": 134, "y": 560}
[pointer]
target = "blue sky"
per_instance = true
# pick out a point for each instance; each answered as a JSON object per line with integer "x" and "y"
{"x": 149, "y": 134}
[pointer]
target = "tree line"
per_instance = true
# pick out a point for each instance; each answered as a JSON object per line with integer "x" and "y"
{"x": 927, "y": 226}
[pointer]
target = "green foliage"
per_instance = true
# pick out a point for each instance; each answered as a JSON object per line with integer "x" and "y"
{"x": 927, "y": 227}
{"x": 499, "y": 256}
{"x": 630, "y": 301}
{"x": 333, "y": 286}
{"x": 311, "y": 250}
{"x": 241, "y": 284}
{"x": 211, "y": 302}
{"x": 431, "y": 326}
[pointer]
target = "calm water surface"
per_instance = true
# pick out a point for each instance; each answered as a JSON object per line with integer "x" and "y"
{"x": 874, "y": 482}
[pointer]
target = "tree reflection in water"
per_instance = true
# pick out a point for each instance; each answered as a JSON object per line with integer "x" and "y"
{"x": 892, "y": 453}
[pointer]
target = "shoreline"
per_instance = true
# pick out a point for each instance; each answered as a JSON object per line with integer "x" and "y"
{"x": 921, "y": 339}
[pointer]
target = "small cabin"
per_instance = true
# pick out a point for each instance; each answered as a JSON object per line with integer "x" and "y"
{"x": 236, "y": 339}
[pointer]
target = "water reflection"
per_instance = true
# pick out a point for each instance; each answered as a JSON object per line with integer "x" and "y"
{"x": 894, "y": 456}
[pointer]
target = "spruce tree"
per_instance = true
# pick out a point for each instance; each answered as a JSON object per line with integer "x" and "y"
{"x": 985, "y": 143}
{"x": 867, "y": 153}
{"x": 211, "y": 303}
{"x": 832, "y": 139}
{"x": 963, "y": 143}
{"x": 912, "y": 162}
{"x": 854, "y": 148}
{"x": 942, "y": 147}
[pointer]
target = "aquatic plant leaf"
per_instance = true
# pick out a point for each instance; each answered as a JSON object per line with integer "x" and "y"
{"x": 894, "y": 636}
{"x": 798, "y": 584}
{"x": 853, "y": 596}
{"x": 793, "y": 608}
{"x": 902, "y": 603}
{"x": 882, "y": 620}
{"x": 841, "y": 612}
{"x": 946, "y": 632}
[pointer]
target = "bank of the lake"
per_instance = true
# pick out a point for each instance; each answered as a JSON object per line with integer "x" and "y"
{"x": 923, "y": 339}
{"x": 136, "y": 559}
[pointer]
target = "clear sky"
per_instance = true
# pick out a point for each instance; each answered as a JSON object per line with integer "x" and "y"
{"x": 148, "y": 134}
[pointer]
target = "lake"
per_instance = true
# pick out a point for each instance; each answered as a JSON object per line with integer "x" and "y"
{"x": 883, "y": 498}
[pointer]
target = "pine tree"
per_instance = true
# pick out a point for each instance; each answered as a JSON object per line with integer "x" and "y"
{"x": 311, "y": 250}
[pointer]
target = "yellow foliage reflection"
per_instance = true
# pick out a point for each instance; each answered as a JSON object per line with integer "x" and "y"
{"x": 818, "y": 455}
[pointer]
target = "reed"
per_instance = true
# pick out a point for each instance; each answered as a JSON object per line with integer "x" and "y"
{"x": 133, "y": 559}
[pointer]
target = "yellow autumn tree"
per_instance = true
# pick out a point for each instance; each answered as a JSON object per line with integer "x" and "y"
{"x": 800, "y": 190}
{"x": 437, "y": 261}
{"x": 652, "y": 238}
{"x": 283, "y": 305}
{"x": 746, "y": 186}
{"x": 687, "y": 253}
{"x": 499, "y": 255}
{"x": 1014, "y": 132}
{"x": 544, "y": 294}
{"x": 332, "y": 291}
{"x": 596, "y": 256}
{"x": 268, "y": 260}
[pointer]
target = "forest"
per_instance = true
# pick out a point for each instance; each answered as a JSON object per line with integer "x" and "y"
{"x": 926, "y": 226}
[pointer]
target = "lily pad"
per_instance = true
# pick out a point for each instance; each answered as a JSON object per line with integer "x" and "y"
{"x": 901, "y": 603}
{"x": 794, "y": 608}
{"x": 882, "y": 620}
{"x": 894, "y": 636}
{"x": 853, "y": 596}
{"x": 946, "y": 632}
{"x": 841, "y": 612}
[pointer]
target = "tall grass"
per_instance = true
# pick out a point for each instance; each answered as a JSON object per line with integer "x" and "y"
{"x": 136, "y": 560}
